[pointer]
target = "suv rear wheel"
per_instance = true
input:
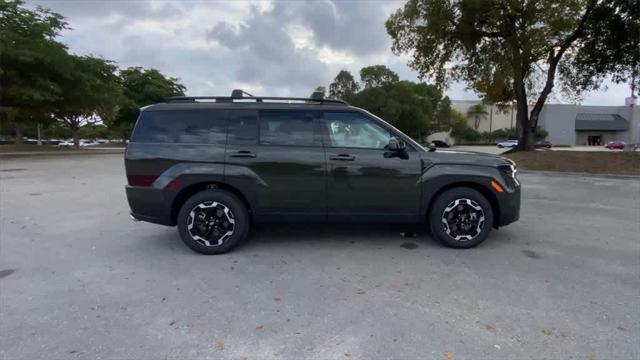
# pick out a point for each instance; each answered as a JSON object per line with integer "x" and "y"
{"x": 213, "y": 222}
{"x": 460, "y": 218}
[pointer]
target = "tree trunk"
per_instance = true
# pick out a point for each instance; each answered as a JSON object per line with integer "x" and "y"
{"x": 19, "y": 135}
{"x": 523, "y": 128}
{"x": 76, "y": 140}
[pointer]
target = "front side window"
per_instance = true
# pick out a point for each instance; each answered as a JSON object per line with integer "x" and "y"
{"x": 348, "y": 129}
{"x": 278, "y": 127}
{"x": 181, "y": 126}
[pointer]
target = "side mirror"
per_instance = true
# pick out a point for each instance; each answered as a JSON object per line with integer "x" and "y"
{"x": 396, "y": 145}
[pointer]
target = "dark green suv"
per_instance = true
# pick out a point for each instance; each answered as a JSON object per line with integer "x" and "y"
{"x": 214, "y": 166}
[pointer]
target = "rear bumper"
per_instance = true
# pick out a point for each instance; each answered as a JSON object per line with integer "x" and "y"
{"x": 149, "y": 204}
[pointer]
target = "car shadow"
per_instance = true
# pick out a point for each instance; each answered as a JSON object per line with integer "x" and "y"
{"x": 302, "y": 237}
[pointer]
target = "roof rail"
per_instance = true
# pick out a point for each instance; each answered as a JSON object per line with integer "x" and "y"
{"x": 237, "y": 94}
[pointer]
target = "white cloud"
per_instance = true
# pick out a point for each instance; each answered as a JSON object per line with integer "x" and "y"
{"x": 265, "y": 47}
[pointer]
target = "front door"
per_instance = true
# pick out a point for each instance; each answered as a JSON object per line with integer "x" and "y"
{"x": 366, "y": 182}
{"x": 284, "y": 169}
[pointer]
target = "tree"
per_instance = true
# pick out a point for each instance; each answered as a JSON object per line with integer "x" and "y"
{"x": 477, "y": 112}
{"x": 141, "y": 87}
{"x": 614, "y": 34}
{"x": 377, "y": 75}
{"x": 443, "y": 115}
{"x": 343, "y": 85}
{"x": 507, "y": 49}
{"x": 320, "y": 89}
{"x": 90, "y": 94}
{"x": 408, "y": 106}
{"x": 32, "y": 63}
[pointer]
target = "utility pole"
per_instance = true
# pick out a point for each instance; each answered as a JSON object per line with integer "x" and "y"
{"x": 39, "y": 137}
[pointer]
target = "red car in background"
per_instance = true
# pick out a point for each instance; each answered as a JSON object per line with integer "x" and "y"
{"x": 543, "y": 145}
{"x": 615, "y": 145}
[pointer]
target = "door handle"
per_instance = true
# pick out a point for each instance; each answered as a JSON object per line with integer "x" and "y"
{"x": 343, "y": 157}
{"x": 243, "y": 154}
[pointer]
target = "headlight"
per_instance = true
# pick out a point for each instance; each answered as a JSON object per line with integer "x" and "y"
{"x": 509, "y": 174}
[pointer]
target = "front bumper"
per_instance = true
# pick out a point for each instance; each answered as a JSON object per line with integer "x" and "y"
{"x": 509, "y": 204}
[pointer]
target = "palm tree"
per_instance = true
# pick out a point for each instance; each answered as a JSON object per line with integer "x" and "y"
{"x": 477, "y": 112}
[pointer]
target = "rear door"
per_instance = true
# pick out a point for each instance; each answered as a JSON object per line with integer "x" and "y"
{"x": 365, "y": 181}
{"x": 276, "y": 157}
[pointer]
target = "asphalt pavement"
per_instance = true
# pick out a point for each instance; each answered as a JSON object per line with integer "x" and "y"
{"x": 78, "y": 279}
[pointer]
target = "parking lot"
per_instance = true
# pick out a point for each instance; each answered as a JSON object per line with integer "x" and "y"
{"x": 78, "y": 279}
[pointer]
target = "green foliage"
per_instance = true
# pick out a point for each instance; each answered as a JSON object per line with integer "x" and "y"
{"x": 443, "y": 116}
{"x": 411, "y": 107}
{"x": 611, "y": 46}
{"x": 540, "y": 133}
{"x": 459, "y": 124}
{"x": 377, "y": 75}
{"x": 503, "y": 134}
{"x": 42, "y": 82}
{"x": 90, "y": 93}
{"x": 507, "y": 49}
{"x": 321, "y": 89}
{"x": 343, "y": 85}
{"x": 477, "y": 112}
{"x": 94, "y": 131}
{"x": 32, "y": 63}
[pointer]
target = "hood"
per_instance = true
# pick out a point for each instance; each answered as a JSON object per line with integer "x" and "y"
{"x": 466, "y": 158}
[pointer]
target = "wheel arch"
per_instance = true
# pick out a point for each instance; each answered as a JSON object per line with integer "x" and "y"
{"x": 482, "y": 189}
{"x": 192, "y": 189}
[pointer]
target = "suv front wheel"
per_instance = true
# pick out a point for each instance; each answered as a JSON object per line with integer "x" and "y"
{"x": 460, "y": 218}
{"x": 213, "y": 222}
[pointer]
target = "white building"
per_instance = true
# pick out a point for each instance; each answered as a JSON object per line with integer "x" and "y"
{"x": 567, "y": 124}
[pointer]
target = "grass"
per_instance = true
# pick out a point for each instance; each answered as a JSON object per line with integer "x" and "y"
{"x": 621, "y": 163}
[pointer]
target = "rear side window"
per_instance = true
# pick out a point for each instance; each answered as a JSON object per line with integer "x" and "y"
{"x": 181, "y": 126}
{"x": 286, "y": 128}
{"x": 243, "y": 127}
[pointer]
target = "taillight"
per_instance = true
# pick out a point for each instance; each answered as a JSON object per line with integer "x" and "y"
{"x": 141, "y": 180}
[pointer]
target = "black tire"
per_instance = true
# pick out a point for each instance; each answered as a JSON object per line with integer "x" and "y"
{"x": 444, "y": 201}
{"x": 238, "y": 214}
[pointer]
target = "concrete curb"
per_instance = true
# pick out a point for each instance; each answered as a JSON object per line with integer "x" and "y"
{"x": 61, "y": 153}
{"x": 584, "y": 174}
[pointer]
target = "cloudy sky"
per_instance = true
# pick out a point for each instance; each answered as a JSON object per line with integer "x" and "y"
{"x": 264, "y": 47}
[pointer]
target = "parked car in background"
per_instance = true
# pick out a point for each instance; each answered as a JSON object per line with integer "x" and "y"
{"x": 508, "y": 144}
{"x": 84, "y": 143}
{"x": 440, "y": 144}
{"x": 65, "y": 144}
{"x": 543, "y": 145}
{"x": 611, "y": 145}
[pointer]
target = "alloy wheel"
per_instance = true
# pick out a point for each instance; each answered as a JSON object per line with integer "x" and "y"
{"x": 210, "y": 223}
{"x": 463, "y": 219}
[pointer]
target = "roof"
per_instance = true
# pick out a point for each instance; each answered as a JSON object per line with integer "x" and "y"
{"x": 606, "y": 122}
{"x": 243, "y": 106}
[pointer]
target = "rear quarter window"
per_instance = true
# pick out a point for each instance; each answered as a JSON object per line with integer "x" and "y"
{"x": 181, "y": 126}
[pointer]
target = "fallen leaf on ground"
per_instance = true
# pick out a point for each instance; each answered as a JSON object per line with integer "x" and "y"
{"x": 220, "y": 345}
